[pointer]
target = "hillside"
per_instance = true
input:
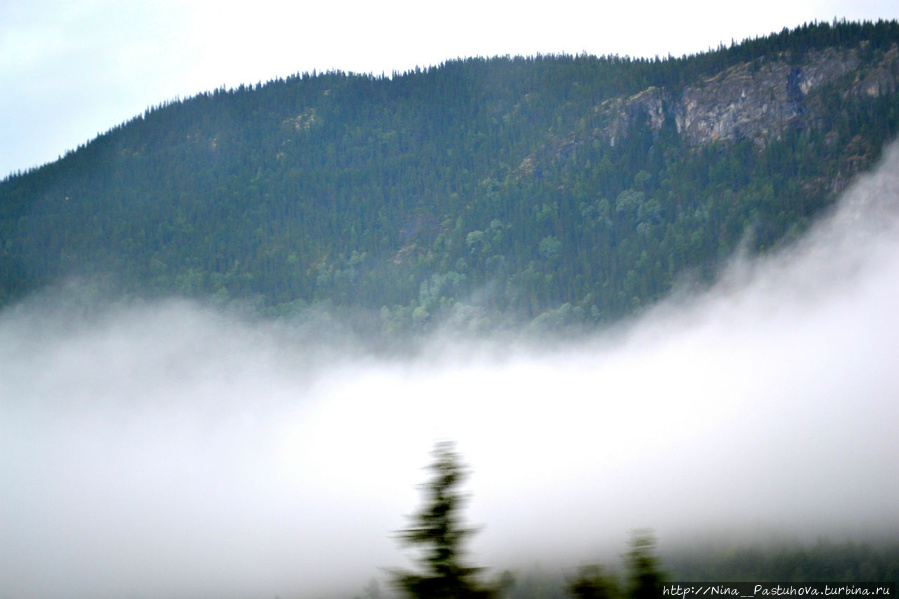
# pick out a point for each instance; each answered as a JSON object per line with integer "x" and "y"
{"x": 558, "y": 190}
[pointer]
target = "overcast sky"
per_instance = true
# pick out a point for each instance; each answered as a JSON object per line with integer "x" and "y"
{"x": 70, "y": 70}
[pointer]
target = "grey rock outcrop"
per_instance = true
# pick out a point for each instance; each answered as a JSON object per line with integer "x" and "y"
{"x": 755, "y": 100}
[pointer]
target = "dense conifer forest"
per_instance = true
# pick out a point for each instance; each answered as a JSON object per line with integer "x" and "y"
{"x": 550, "y": 190}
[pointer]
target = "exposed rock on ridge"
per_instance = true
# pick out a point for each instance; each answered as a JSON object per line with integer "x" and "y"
{"x": 751, "y": 101}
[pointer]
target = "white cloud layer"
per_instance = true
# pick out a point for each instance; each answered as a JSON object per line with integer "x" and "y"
{"x": 165, "y": 450}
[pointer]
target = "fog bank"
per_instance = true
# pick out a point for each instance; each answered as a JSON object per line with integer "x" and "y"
{"x": 166, "y": 450}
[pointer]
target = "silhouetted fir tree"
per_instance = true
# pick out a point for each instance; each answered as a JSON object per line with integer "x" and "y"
{"x": 645, "y": 575}
{"x": 438, "y": 530}
{"x": 593, "y": 583}
{"x": 644, "y": 569}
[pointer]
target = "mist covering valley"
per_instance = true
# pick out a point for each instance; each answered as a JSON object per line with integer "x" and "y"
{"x": 167, "y": 449}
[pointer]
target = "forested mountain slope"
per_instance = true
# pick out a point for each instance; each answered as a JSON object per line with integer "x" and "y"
{"x": 555, "y": 189}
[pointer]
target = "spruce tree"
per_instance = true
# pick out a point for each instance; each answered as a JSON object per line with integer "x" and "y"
{"x": 438, "y": 530}
{"x": 646, "y": 573}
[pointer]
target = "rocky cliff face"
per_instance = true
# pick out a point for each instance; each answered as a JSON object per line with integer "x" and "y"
{"x": 756, "y": 100}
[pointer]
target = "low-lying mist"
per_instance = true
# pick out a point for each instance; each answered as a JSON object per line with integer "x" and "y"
{"x": 162, "y": 449}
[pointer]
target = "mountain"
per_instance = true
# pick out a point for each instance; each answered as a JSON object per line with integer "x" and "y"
{"x": 558, "y": 190}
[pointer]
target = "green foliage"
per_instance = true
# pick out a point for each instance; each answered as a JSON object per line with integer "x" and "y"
{"x": 644, "y": 575}
{"x": 483, "y": 187}
{"x": 438, "y": 530}
{"x": 593, "y": 583}
{"x": 821, "y": 561}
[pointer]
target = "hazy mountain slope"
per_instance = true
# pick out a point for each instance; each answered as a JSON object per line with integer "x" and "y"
{"x": 560, "y": 189}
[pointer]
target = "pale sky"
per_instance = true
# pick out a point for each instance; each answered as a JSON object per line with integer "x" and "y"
{"x": 70, "y": 70}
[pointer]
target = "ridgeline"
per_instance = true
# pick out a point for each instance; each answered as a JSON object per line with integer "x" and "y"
{"x": 554, "y": 190}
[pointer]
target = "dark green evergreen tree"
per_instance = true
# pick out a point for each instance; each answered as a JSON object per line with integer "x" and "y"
{"x": 645, "y": 572}
{"x": 593, "y": 583}
{"x": 645, "y": 575}
{"x": 438, "y": 530}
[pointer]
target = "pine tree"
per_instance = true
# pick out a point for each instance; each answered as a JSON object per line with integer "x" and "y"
{"x": 437, "y": 528}
{"x": 646, "y": 574}
{"x": 644, "y": 580}
{"x": 593, "y": 583}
